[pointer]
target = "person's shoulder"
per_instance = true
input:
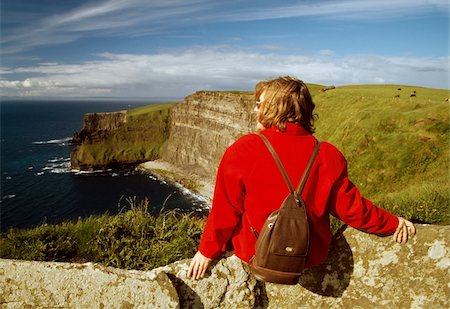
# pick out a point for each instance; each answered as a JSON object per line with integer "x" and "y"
{"x": 245, "y": 144}
{"x": 330, "y": 152}
{"x": 247, "y": 140}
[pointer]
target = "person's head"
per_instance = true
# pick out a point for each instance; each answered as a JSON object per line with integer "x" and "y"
{"x": 282, "y": 100}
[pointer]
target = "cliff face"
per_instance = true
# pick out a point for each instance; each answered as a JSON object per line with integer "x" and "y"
{"x": 97, "y": 125}
{"x": 362, "y": 271}
{"x": 203, "y": 126}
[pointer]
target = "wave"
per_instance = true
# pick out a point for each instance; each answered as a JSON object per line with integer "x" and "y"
{"x": 9, "y": 196}
{"x": 79, "y": 172}
{"x": 61, "y": 142}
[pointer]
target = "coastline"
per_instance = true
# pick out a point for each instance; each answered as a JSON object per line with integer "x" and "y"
{"x": 201, "y": 188}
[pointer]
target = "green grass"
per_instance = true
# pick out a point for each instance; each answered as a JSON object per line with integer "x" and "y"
{"x": 149, "y": 109}
{"x": 134, "y": 239}
{"x": 397, "y": 148}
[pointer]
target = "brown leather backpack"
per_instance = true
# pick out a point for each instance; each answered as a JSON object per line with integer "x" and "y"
{"x": 283, "y": 244}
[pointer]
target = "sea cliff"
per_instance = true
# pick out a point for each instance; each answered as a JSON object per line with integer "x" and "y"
{"x": 191, "y": 138}
{"x": 121, "y": 138}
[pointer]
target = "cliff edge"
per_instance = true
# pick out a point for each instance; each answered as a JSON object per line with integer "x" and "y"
{"x": 362, "y": 271}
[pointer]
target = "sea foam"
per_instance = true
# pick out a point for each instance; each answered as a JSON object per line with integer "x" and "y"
{"x": 61, "y": 142}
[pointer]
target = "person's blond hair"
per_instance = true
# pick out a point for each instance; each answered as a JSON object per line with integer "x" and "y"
{"x": 286, "y": 99}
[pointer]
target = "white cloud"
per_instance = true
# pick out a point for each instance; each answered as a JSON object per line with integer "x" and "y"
{"x": 326, "y": 52}
{"x": 178, "y": 73}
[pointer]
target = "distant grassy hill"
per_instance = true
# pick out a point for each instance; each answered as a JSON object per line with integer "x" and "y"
{"x": 397, "y": 147}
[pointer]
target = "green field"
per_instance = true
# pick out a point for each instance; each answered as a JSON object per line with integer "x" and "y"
{"x": 397, "y": 148}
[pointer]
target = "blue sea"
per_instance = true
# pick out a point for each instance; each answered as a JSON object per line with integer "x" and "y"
{"x": 37, "y": 184}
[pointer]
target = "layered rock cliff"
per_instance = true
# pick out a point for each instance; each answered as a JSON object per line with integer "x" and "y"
{"x": 362, "y": 271}
{"x": 203, "y": 126}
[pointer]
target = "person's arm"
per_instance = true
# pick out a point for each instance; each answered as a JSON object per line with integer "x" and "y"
{"x": 347, "y": 204}
{"x": 226, "y": 211}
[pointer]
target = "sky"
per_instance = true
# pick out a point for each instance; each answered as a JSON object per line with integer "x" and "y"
{"x": 172, "y": 48}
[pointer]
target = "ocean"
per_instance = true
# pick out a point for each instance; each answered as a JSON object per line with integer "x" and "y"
{"x": 37, "y": 184}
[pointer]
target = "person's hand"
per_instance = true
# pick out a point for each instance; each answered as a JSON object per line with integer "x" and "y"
{"x": 404, "y": 231}
{"x": 199, "y": 265}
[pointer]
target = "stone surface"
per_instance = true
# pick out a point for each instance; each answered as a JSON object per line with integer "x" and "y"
{"x": 362, "y": 271}
{"x": 366, "y": 271}
{"x": 227, "y": 284}
{"x": 26, "y": 284}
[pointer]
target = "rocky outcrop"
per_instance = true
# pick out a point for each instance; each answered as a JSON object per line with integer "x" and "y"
{"x": 97, "y": 125}
{"x": 96, "y": 129}
{"x": 362, "y": 271}
{"x": 203, "y": 126}
{"x": 117, "y": 139}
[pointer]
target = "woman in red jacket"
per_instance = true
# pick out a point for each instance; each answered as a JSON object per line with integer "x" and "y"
{"x": 249, "y": 185}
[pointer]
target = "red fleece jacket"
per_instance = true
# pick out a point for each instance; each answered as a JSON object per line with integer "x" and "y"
{"x": 248, "y": 180}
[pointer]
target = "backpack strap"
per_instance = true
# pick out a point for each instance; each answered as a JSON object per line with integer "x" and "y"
{"x": 278, "y": 161}
{"x": 302, "y": 183}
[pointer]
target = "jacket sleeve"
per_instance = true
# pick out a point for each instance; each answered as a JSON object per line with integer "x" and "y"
{"x": 347, "y": 204}
{"x": 227, "y": 205}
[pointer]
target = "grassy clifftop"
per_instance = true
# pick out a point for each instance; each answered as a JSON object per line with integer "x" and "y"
{"x": 397, "y": 147}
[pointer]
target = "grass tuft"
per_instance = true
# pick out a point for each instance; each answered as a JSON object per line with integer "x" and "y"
{"x": 134, "y": 239}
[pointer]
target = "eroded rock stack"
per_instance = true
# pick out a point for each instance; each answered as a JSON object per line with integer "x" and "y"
{"x": 362, "y": 271}
{"x": 97, "y": 125}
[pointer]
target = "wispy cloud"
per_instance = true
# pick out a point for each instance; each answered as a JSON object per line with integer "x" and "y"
{"x": 346, "y": 9}
{"x": 183, "y": 72}
{"x": 103, "y": 18}
{"x": 140, "y": 17}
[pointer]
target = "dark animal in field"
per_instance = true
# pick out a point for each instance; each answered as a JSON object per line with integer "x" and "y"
{"x": 327, "y": 88}
{"x": 399, "y": 89}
